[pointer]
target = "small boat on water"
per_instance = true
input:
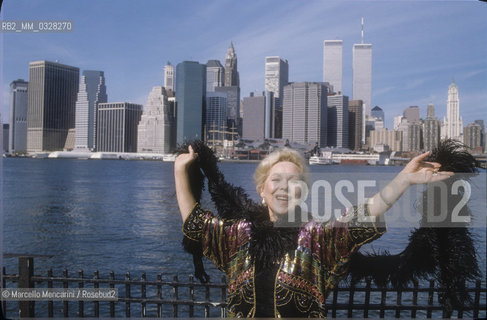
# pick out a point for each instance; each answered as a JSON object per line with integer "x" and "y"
{"x": 169, "y": 157}
{"x": 314, "y": 160}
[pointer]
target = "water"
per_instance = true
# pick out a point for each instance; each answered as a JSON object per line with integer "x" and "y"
{"x": 122, "y": 216}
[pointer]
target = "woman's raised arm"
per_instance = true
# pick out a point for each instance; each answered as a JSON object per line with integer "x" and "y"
{"x": 186, "y": 199}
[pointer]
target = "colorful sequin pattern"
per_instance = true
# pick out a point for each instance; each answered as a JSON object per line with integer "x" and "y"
{"x": 306, "y": 276}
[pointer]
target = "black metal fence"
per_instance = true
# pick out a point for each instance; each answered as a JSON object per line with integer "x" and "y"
{"x": 142, "y": 297}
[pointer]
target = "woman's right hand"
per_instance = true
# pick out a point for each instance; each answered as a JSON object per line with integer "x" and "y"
{"x": 184, "y": 160}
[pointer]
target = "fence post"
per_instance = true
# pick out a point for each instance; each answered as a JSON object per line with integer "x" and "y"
{"x": 191, "y": 296}
{"x": 50, "y": 304}
{"x": 159, "y": 295}
{"x": 398, "y": 303}
{"x": 112, "y": 286}
{"x": 81, "y": 304}
{"x": 176, "y": 296}
{"x": 143, "y": 296}
{"x": 26, "y": 272}
{"x": 3, "y": 311}
{"x": 476, "y": 306}
{"x": 224, "y": 297}
{"x": 431, "y": 292}
{"x": 127, "y": 294}
{"x": 65, "y": 286}
{"x": 207, "y": 298}
{"x": 96, "y": 285}
{"x": 415, "y": 298}
{"x": 367, "y": 298}
{"x": 351, "y": 294}
{"x": 334, "y": 303}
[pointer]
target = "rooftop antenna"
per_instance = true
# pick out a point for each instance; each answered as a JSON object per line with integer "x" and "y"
{"x": 362, "y": 33}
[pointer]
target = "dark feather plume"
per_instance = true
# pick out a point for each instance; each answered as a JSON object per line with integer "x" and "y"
{"x": 446, "y": 254}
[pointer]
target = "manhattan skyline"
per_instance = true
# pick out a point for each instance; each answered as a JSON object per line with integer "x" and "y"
{"x": 419, "y": 46}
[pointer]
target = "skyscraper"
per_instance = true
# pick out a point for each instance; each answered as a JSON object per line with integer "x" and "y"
{"x": 415, "y": 136}
{"x": 482, "y": 125}
{"x": 52, "y": 92}
{"x": 254, "y": 117}
{"x": 304, "y": 111}
{"x": 391, "y": 138}
{"x": 403, "y": 126}
{"x": 276, "y": 75}
{"x": 233, "y": 105}
{"x": 232, "y": 89}
{"x": 332, "y": 64}
{"x": 430, "y": 111}
{"x": 156, "y": 130}
{"x": 362, "y": 75}
{"x": 215, "y": 75}
{"x": 431, "y": 129}
{"x": 473, "y": 137}
{"x": 452, "y": 126}
{"x": 355, "y": 124}
{"x": 169, "y": 76}
{"x": 18, "y": 116}
{"x": 273, "y": 117}
{"x": 337, "y": 121}
{"x": 216, "y": 115}
{"x": 191, "y": 100}
{"x": 231, "y": 72}
{"x": 411, "y": 113}
{"x": 92, "y": 91}
{"x": 117, "y": 126}
{"x": 397, "y": 122}
{"x": 5, "y": 136}
{"x": 377, "y": 112}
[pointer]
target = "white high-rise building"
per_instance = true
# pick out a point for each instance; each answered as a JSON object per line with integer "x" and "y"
{"x": 452, "y": 126}
{"x": 397, "y": 122}
{"x": 276, "y": 75}
{"x": 18, "y": 116}
{"x": 156, "y": 130}
{"x": 332, "y": 64}
{"x": 362, "y": 75}
{"x": 169, "y": 82}
{"x": 92, "y": 91}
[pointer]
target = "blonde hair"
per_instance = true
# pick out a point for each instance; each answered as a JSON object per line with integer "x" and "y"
{"x": 285, "y": 154}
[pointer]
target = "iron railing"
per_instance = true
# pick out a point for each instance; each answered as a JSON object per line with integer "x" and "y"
{"x": 142, "y": 297}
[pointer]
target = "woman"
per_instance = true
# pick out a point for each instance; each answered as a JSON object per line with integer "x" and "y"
{"x": 300, "y": 266}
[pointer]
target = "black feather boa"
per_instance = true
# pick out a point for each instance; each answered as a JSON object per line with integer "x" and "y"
{"x": 444, "y": 254}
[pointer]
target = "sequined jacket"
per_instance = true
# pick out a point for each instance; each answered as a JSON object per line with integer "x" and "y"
{"x": 305, "y": 277}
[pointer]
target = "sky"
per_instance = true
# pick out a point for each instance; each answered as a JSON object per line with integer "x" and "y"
{"x": 419, "y": 47}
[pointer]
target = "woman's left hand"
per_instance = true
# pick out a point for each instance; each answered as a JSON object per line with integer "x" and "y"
{"x": 418, "y": 171}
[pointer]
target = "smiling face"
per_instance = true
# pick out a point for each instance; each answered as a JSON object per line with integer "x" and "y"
{"x": 281, "y": 189}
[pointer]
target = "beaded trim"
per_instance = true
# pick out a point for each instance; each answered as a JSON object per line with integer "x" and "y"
{"x": 193, "y": 225}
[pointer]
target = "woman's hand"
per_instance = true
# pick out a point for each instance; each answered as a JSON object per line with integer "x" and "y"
{"x": 418, "y": 171}
{"x": 184, "y": 160}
